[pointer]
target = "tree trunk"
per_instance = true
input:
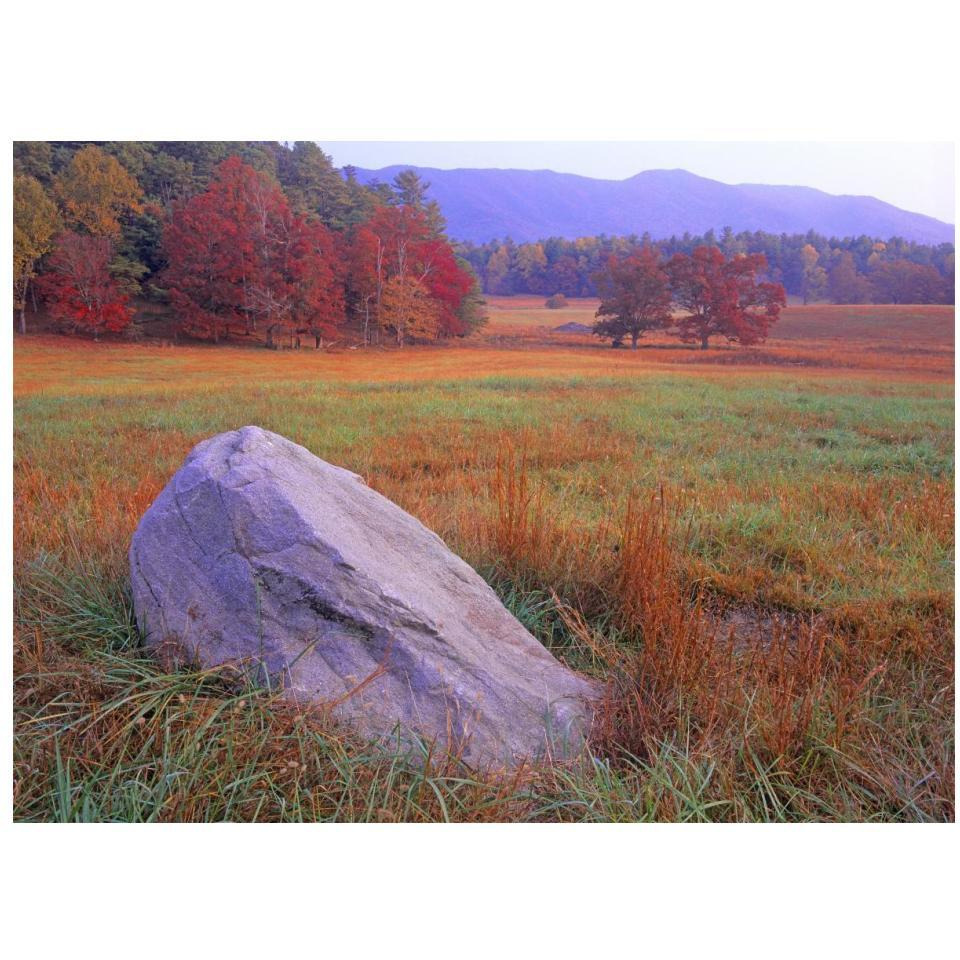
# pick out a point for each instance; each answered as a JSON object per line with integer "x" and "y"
{"x": 379, "y": 292}
{"x": 23, "y": 303}
{"x": 635, "y": 337}
{"x": 704, "y": 341}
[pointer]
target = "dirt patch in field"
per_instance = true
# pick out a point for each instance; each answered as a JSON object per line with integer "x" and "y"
{"x": 759, "y": 628}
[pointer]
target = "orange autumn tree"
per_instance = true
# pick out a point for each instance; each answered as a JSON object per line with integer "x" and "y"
{"x": 408, "y": 309}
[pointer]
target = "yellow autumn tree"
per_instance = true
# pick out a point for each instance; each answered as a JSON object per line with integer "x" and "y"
{"x": 407, "y": 308}
{"x": 35, "y": 224}
{"x": 814, "y": 278}
{"x": 498, "y": 271}
{"x": 95, "y": 191}
{"x": 531, "y": 264}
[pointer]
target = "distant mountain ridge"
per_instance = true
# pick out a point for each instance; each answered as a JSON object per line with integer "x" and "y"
{"x": 526, "y": 205}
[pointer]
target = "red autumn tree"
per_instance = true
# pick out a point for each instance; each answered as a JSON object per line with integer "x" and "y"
{"x": 447, "y": 282}
{"x": 722, "y": 297}
{"x": 363, "y": 255}
{"x": 206, "y": 256}
{"x": 402, "y": 231}
{"x": 79, "y": 289}
{"x": 294, "y": 278}
{"x": 400, "y": 242}
{"x": 239, "y": 257}
{"x": 313, "y": 271}
{"x": 634, "y": 296}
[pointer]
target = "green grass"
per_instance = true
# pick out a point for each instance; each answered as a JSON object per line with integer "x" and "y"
{"x": 759, "y": 443}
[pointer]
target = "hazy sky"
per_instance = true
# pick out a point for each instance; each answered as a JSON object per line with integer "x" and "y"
{"x": 915, "y": 176}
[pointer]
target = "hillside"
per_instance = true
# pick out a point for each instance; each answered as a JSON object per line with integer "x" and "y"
{"x": 527, "y": 205}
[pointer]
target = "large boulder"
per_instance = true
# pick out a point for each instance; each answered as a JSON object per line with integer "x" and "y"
{"x": 260, "y": 556}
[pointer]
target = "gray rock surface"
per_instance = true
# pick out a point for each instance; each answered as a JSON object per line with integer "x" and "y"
{"x": 260, "y": 555}
{"x": 573, "y": 327}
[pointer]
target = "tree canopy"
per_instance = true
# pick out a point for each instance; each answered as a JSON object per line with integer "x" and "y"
{"x": 635, "y": 296}
{"x": 697, "y": 297}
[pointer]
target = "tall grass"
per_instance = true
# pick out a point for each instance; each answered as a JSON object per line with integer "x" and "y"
{"x": 693, "y": 727}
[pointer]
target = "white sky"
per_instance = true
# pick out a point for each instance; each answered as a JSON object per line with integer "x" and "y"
{"x": 915, "y": 176}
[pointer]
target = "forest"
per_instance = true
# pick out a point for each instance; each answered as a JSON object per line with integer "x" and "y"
{"x": 240, "y": 239}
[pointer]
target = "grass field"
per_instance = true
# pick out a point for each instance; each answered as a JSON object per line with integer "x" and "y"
{"x": 754, "y": 548}
{"x": 898, "y": 339}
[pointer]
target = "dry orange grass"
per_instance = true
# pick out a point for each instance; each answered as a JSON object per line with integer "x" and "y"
{"x": 900, "y": 340}
{"x": 50, "y": 364}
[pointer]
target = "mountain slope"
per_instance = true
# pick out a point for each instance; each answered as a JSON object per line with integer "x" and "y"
{"x": 484, "y": 204}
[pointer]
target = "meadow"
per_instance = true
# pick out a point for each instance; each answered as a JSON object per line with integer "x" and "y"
{"x": 753, "y": 548}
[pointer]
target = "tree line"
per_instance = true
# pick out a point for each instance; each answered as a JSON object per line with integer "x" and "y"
{"x": 810, "y": 266}
{"x": 241, "y": 239}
